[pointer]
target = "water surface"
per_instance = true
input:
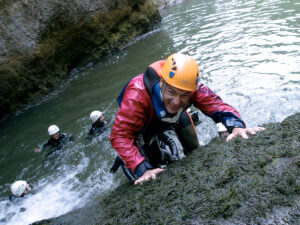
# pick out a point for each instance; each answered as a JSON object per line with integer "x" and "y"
{"x": 248, "y": 53}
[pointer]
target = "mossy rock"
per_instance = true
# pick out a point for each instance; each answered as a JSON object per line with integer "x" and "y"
{"x": 64, "y": 45}
{"x": 251, "y": 181}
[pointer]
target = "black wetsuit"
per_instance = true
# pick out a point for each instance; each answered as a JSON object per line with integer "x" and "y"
{"x": 57, "y": 144}
{"x": 15, "y": 199}
{"x": 97, "y": 128}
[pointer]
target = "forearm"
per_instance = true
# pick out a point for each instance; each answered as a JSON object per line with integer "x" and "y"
{"x": 213, "y": 106}
{"x": 127, "y": 151}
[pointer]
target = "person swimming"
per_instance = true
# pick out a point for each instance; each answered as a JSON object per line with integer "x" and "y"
{"x": 19, "y": 189}
{"x": 99, "y": 124}
{"x": 56, "y": 141}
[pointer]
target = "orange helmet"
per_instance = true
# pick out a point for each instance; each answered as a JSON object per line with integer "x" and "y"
{"x": 181, "y": 71}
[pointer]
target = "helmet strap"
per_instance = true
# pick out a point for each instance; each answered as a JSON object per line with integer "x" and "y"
{"x": 162, "y": 90}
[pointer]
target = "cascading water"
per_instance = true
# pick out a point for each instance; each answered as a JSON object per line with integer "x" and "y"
{"x": 248, "y": 53}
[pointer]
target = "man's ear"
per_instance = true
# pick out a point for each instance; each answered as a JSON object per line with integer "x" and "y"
{"x": 161, "y": 82}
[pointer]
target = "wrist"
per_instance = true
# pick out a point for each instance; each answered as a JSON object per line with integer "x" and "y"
{"x": 231, "y": 124}
{"x": 142, "y": 168}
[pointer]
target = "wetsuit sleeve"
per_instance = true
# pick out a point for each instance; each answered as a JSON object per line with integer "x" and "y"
{"x": 47, "y": 144}
{"x": 11, "y": 197}
{"x": 64, "y": 137}
{"x": 130, "y": 118}
{"x": 91, "y": 132}
{"x": 142, "y": 168}
{"x": 103, "y": 127}
{"x": 71, "y": 138}
{"x": 213, "y": 106}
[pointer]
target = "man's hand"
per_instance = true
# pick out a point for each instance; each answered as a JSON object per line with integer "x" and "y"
{"x": 149, "y": 174}
{"x": 243, "y": 132}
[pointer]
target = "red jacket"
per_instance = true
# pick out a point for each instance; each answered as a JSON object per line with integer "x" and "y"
{"x": 137, "y": 109}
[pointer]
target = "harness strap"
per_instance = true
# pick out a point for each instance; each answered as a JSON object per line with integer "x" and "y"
{"x": 150, "y": 79}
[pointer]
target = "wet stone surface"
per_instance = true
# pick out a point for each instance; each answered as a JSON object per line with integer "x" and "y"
{"x": 254, "y": 181}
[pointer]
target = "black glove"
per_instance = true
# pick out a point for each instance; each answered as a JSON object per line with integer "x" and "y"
{"x": 195, "y": 115}
{"x": 168, "y": 148}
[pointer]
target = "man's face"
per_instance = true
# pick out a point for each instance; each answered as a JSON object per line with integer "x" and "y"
{"x": 174, "y": 98}
{"x": 27, "y": 189}
{"x": 101, "y": 118}
{"x": 55, "y": 136}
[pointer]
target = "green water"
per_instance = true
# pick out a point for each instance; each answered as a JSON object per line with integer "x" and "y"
{"x": 248, "y": 53}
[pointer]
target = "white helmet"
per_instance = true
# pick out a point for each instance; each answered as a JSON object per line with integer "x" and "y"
{"x": 221, "y": 127}
{"x": 95, "y": 115}
{"x": 53, "y": 129}
{"x": 18, "y": 187}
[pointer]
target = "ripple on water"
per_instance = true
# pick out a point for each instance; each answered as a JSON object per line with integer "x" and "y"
{"x": 248, "y": 53}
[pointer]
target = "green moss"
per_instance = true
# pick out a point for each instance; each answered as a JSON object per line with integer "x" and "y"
{"x": 240, "y": 180}
{"x": 6, "y": 3}
{"x": 65, "y": 45}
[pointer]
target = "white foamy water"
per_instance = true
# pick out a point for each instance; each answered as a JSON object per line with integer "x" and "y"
{"x": 248, "y": 53}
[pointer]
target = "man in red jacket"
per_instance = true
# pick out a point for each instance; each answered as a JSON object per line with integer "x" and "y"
{"x": 152, "y": 102}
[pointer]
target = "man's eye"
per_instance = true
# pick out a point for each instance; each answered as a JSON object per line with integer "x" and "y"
{"x": 171, "y": 92}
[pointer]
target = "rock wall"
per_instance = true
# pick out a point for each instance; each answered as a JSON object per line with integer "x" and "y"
{"x": 22, "y": 22}
{"x": 40, "y": 41}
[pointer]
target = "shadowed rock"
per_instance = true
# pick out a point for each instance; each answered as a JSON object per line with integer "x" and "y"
{"x": 41, "y": 41}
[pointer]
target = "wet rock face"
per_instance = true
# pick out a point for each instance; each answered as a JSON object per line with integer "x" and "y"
{"x": 23, "y": 21}
{"x": 254, "y": 181}
{"x": 240, "y": 182}
{"x": 40, "y": 41}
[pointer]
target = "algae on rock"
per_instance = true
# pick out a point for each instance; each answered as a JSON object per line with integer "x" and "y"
{"x": 239, "y": 182}
{"x": 254, "y": 181}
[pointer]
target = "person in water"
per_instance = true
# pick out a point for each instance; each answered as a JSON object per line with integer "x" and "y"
{"x": 98, "y": 125}
{"x": 152, "y": 101}
{"x": 18, "y": 190}
{"x": 56, "y": 140}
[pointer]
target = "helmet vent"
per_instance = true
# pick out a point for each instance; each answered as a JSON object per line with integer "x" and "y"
{"x": 171, "y": 74}
{"x": 174, "y": 68}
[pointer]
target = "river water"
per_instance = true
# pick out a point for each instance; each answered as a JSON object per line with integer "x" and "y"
{"x": 248, "y": 52}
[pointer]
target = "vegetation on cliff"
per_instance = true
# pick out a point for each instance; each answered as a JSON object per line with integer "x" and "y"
{"x": 64, "y": 45}
{"x": 254, "y": 181}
